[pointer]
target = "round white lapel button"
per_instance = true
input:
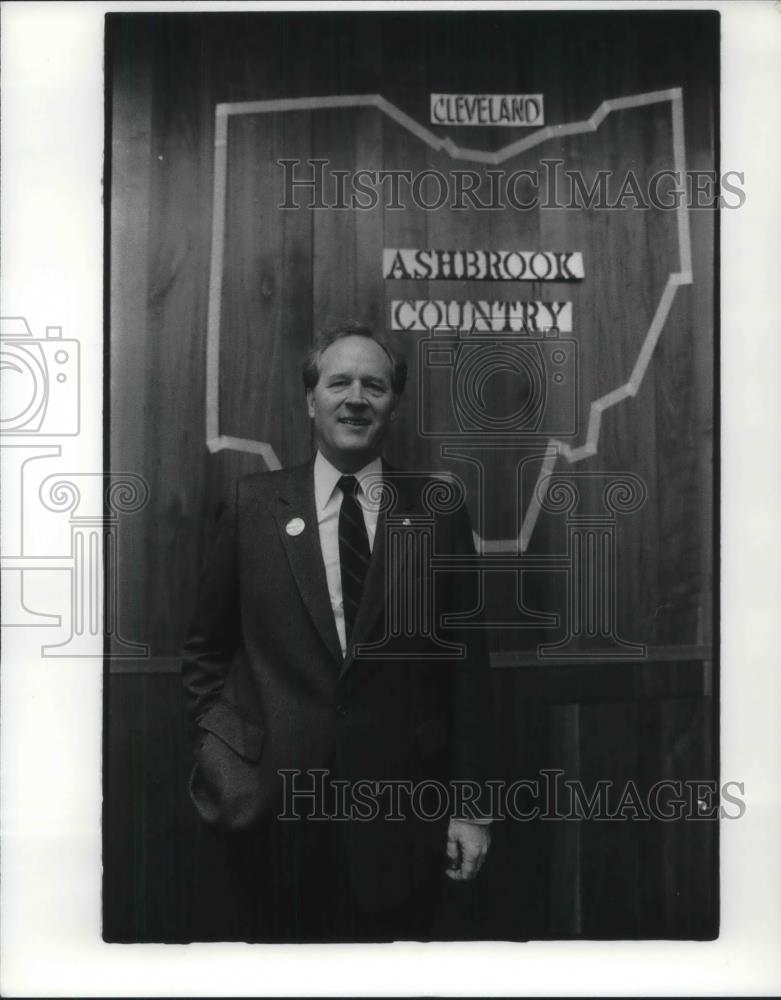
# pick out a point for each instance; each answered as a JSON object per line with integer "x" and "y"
{"x": 295, "y": 526}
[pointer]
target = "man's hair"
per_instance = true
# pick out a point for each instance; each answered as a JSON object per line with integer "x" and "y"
{"x": 324, "y": 339}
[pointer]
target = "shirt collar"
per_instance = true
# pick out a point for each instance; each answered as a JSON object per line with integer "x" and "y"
{"x": 327, "y": 476}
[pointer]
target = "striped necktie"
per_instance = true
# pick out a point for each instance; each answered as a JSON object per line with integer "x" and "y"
{"x": 354, "y": 551}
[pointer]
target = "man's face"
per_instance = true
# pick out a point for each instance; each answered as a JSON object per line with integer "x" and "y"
{"x": 352, "y": 404}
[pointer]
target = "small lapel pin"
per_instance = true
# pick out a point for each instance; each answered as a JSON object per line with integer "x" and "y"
{"x": 406, "y": 522}
{"x": 295, "y": 526}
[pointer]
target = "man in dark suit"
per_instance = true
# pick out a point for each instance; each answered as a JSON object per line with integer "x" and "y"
{"x": 320, "y": 649}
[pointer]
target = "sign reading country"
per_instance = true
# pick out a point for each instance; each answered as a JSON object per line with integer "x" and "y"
{"x": 482, "y": 265}
{"x": 422, "y": 315}
{"x": 487, "y": 109}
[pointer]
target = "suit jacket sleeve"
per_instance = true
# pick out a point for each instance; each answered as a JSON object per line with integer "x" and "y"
{"x": 214, "y": 632}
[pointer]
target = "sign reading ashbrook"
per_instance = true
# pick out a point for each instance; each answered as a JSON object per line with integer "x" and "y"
{"x": 487, "y": 109}
{"x": 482, "y": 265}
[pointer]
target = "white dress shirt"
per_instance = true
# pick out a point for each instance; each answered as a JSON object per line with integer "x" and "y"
{"x": 328, "y": 501}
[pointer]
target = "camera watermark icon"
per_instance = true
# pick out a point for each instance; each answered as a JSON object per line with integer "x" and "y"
{"x": 459, "y": 367}
{"x": 40, "y": 380}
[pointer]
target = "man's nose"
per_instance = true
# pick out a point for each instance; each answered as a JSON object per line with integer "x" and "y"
{"x": 355, "y": 395}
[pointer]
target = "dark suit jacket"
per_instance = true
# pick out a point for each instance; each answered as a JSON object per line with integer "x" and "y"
{"x": 267, "y": 687}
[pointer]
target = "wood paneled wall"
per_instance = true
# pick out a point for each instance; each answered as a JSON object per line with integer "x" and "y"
{"x": 283, "y": 279}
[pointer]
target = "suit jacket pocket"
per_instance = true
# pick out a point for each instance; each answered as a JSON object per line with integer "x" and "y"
{"x": 244, "y": 736}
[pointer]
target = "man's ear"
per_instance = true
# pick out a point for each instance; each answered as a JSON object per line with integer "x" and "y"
{"x": 395, "y": 408}
{"x": 310, "y": 402}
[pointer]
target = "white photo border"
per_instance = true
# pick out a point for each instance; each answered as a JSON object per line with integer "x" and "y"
{"x": 50, "y": 784}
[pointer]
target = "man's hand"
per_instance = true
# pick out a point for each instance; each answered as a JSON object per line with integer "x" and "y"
{"x": 467, "y": 846}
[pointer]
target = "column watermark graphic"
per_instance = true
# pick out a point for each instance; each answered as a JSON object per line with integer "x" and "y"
{"x": 590, "y": 503}
{"x": 592, "y": 586}
{"x": 65, "y": 521}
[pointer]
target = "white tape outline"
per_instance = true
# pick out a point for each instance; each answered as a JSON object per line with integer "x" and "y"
{"x": 683, "y": 276}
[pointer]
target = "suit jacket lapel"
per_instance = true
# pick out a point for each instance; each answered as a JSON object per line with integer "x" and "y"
{"x": 377, "y": 587}
{"x": 296, "y": 500}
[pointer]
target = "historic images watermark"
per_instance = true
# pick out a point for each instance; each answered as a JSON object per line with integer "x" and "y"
{"x": 550, "y": 795}
{"x": 314, "y": 184}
